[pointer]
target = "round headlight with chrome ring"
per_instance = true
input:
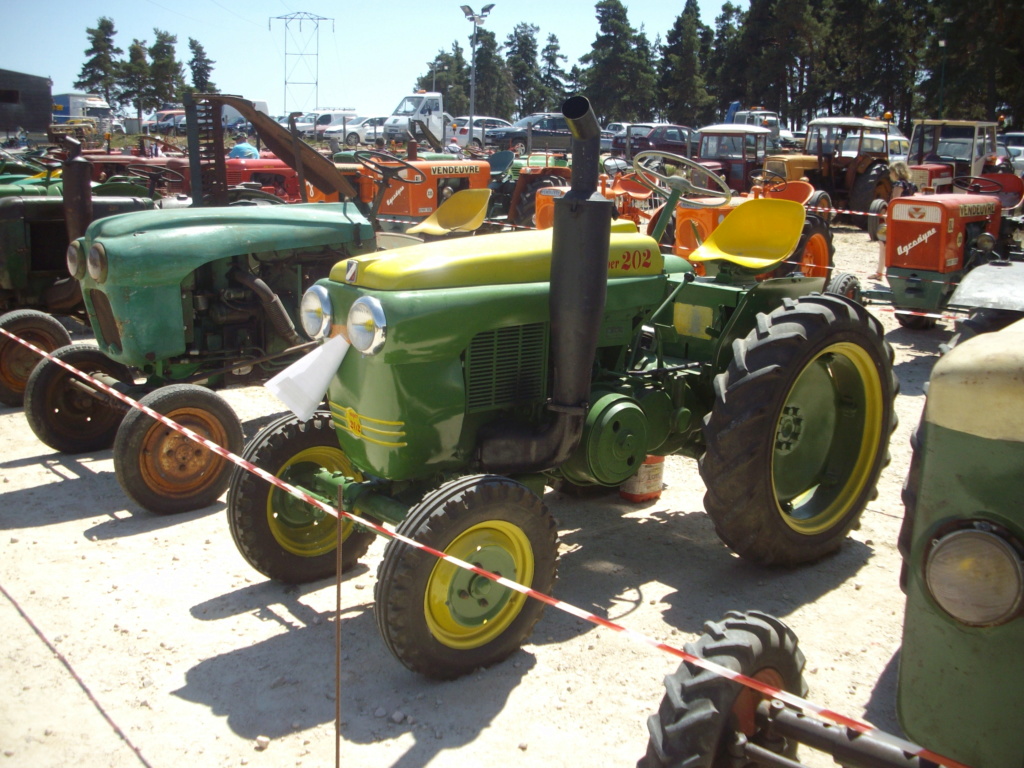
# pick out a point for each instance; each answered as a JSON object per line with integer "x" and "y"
{"x": 367, "y": 326}
{"x": 315, "y": 312}
{"x": 76, "y": 260}
{"x": 976, "y": 577}
{"x": 96, "y": 263}
{"x": 985, "y": 242}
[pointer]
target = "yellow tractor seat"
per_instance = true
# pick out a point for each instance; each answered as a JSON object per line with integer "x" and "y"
{"x": 756, "y": 235}
{"x": 462, "y": 212}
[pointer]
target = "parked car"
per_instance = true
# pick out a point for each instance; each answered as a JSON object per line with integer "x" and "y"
{"x": 665, "y": 137}
{"x": 548, "y": 131}
{"x": 168, "y": 124}
{"x": 608, "y": 133}
{"x": 1016, "y": 155}
{"x": 482, "y": 128}
{"x": 1013, "y": 139}
{"x": 358, "y": 130}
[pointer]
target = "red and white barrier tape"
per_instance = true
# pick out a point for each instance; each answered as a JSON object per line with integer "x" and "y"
{"x": 766, "y": 690}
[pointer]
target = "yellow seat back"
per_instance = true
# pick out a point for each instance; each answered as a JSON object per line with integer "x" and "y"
{"x": 462, "y": 212}
{"x": 757, "y": 234}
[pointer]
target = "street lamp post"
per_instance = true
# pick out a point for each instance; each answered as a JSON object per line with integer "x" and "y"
{"x": 942, "y": 72}
{"x": 477, "y": 20}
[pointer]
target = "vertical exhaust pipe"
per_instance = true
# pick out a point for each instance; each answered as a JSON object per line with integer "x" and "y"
{"x": 77, "y": 183}
{"x": 579, "y": 278}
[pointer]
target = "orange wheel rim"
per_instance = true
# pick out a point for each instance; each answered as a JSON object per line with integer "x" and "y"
{"x": 745, "y": 708}
{"x": 172, "y": 464}
{"x": 814, "y": 259}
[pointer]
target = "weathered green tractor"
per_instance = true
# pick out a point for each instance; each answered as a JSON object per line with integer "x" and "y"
{"x": 960, "y": 669}
{"x": 482, "y": 369}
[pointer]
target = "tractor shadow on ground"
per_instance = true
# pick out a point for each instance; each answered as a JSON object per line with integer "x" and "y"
{"x": 615, "y": 566}
{"x": 292, "y": 672}
{"x": 881, "y": 707}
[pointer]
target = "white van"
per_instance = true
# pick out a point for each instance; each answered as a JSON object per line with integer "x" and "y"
{"x": 316, "y": 122}
{"x": 425, "y": 106}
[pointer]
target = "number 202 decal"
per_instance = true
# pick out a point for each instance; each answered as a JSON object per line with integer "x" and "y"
{"x": 632, "y": 260}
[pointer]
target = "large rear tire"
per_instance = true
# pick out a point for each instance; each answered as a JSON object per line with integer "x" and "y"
{"x": 280, "y": 536}
{"x": 814, "y": 252}
{"x": 873, "y": 184}
{"x": 166, "y": 472}
{"x": 800, "y": 429}
{"x": 59, "y": 408}
{"x": 442, "y": 621}
{"x": 526, "y": 206}
{"x": 18, "y": 361}
{"x": 702, "y": 713}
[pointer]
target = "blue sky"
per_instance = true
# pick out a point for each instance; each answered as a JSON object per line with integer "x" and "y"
{"x": 369, "y": 52}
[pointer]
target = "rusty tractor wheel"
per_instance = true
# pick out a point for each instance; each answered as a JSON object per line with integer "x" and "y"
{"x": 799, "y": 431}
{"x": 164, "y": 471}
{"x": 16, "y": 360}
{"x": 820, "y": 204}
{"x": 283, "y": 537}
{"x": 442, "y": 621}
{"x": 702, "y": 713}
{"x": 873, "y": 184}
{"x": 66, "y": 412}
{"x": 813, "y": 256}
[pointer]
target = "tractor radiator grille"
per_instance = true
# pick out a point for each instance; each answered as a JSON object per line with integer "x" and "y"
{"x": 506, "y": 366}
{"x": 105, "y": 318}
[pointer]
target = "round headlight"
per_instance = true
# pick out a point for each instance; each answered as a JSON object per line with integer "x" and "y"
{"x": 367, "y": 327}
{"x": 96, "y": 263}
{"x": 985, "y": 241}
{"x": 76, "y": 260}
{"x": 976, "y": 577}
{"x": 315, "y": 312}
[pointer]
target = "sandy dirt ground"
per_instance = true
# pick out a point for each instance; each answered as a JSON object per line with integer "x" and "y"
{"x": 136, "y": 639}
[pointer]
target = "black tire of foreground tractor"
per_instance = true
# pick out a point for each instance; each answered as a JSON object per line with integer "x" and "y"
{"x": 915, "y": 322}
{"x": 702, "y": 713}
{"x": 799, "y": 431}
{"x": 845, "y": 284}
{"x": 16, "y": 360}
{"x": 166, "y": 472}
{"x": 280, "y": 536}
{"x": 64, "y": 416}
{"x": 442, "y": 621}
{"x": 873, "y": 184}
{"x": 526, "y": 207}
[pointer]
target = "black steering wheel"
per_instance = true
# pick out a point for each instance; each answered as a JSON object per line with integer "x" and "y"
{"x": 979, "y": 184}
{"x": 681, "y": 183}
{"x": 371, "y": 159}
{"x": 762, "y": 177}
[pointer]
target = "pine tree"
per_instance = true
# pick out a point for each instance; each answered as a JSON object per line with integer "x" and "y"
{"x": 99, "y": 72}
{"x": 521, "y": 60}
{"x": 134, "y": 76}
{"x": 201, "y": 67}
{"x": 684, "y": 95}
{"x": 553, "y": 77}
{"x": 448, "y": 74}
{"x": 167, "y": 77}
{"x": 495, "y": 94}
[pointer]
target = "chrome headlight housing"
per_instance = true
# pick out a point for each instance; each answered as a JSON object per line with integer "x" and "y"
{"x": 985, "y": 242}
{"x": 76, "y": 260}
{"x": 975, "y": 576}
{"x": 96, "y": 263}
{"x": 367, "y": 326}
{"x": 315, "y": 312}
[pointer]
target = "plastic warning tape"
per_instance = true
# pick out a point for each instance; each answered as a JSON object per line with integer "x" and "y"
{"x": 766, "y": 690}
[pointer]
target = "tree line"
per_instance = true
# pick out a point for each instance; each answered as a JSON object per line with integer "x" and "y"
{"x": 149, "y": 78}
{"x": 800, "y": 58}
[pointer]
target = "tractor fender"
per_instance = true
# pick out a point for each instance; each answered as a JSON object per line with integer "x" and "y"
{"x": 997, "y": 285}
{"x": 763, "y": 297}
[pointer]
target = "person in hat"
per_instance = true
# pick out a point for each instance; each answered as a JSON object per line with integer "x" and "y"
{"x": 243, "y": 148}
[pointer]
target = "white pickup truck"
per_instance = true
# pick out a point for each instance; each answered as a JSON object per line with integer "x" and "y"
{"x": 425, "y": 106}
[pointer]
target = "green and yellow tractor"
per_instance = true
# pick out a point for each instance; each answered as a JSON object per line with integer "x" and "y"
{"x": 477, "y": 371}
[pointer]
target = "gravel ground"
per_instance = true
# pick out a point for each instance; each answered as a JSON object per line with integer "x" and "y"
{"x": 134, "y": 639}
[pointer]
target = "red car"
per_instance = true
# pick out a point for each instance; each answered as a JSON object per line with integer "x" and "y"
{"x": 677, "y": 139}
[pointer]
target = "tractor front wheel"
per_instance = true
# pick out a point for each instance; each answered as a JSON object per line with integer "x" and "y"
{"x": 66, "y": 412}
{"x": 702, "y": 713}
{"x": 166, "y": 472}
{"x": 443, "y": 621}
{"x": 845, "y": 284}
{"x": 799, "y": 431}
{"x": 814, "y": 253}
{"x": 282, "y": 537}
{"x": 17, "y": 360}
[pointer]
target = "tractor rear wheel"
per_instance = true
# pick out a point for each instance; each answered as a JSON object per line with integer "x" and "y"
{"x": 60, "y": 408}
{"x": 442, "y": 621}
{"x": 873, "y": 184}
{"x": 281, "y": 536}
{"x": 814, "y": 253}
{"x": 166, "y": 472}
{"x": 16, "y": 360}
{"x": 820, "y": 204}
{"x": 703, "y": 713}
{"x": 800, "y": 429}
